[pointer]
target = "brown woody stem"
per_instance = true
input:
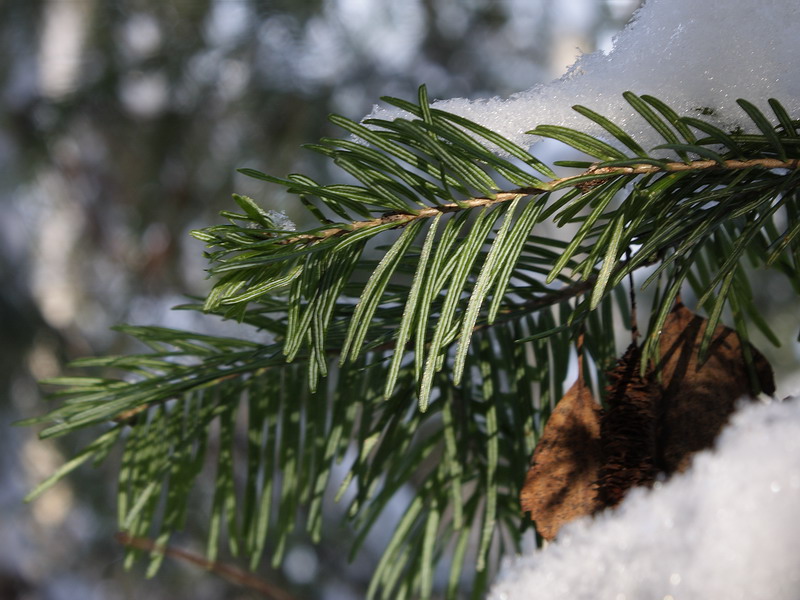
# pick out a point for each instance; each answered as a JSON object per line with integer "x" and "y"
{"x": 229, "y": 572}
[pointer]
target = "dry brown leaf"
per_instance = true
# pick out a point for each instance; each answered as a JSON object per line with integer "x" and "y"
{"x": 587, "y": 459}
{"x": 627, "y": 431}
{"x": 560, "y": 485}
{"x": 698, "y": 399}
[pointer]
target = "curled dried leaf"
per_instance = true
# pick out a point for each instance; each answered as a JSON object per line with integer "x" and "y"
{"x": 627, "y": 431}
{"x": 560, "y": 485}
{"x": 697, "y": 398}
{"x": 587, "y": 459}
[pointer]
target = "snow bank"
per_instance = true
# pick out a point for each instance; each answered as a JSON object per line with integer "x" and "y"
{"x": 692, "y": 55}
{"x": 728, "y": 528}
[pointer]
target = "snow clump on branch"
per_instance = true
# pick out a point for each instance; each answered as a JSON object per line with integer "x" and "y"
{"x": 697, "y": 57}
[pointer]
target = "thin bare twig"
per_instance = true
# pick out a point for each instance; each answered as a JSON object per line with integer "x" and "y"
{"x": 231, "y": 573}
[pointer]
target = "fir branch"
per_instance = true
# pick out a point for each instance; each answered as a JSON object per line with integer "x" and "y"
{"x": 402, "y": 219}
{"x": 589, "y": 178}
{"x": 478, "y": 282}
{"x": 695, "y": 165}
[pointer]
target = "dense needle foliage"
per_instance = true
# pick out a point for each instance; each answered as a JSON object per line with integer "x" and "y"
{"x": 420, "y": 334}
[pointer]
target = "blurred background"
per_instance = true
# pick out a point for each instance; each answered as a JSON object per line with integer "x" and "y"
{"x": 122, "y": 123}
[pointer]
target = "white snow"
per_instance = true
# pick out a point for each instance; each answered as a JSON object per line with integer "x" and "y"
{"x": 691, "y": 55}
{"x": 727, "y": 528}
{"x": 281, "y": 220}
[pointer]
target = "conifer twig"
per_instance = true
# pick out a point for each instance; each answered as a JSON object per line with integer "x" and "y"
{"x": 402, "y": 219}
